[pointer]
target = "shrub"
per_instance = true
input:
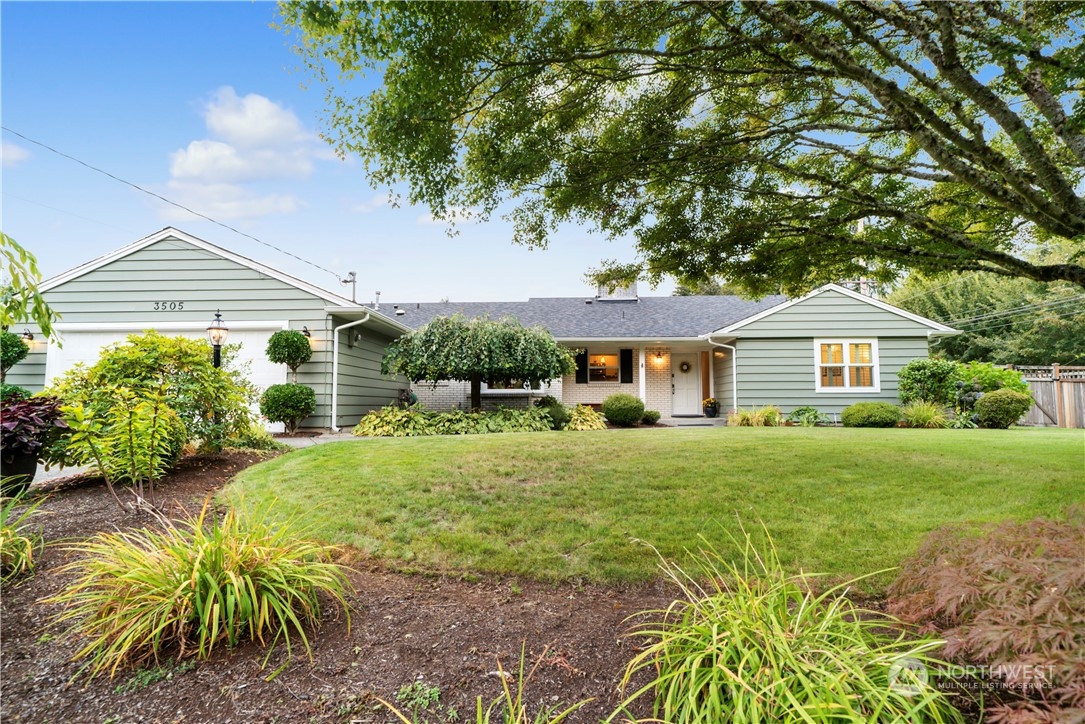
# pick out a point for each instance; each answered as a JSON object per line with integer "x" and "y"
{"x": 559, "y": 414}
{"x": 136, "y": 443}
{"x": 395, "y": 421}
{"x": 870, "y": 414}
{"x": 806, "y": 416}
{"x": 924, "y": 414}
{"x": 288, "y": 403}
{"x": 256, "y": 437}
{"x": 1012, "y": 593}
{"x": 991, "y": 378}
{"x": 12, "y": 393}
{"x": 291, "y": 348}
{"x": 928, "y": 380}
{"x": 623, "y": 410}
{"x": 18, "y": 543}
{"x": 767, "y": 416}
{"x": 1002, "y": 408}
{"x": 651, "y": 417}
{"x": 212, "y": 402}
{"x": 584, "y": 417}
{"x": 749, "y": 643}
{"x": 27, "y": 428}
{"x": 13, "y": 350}
{"x": 193, "y": 585}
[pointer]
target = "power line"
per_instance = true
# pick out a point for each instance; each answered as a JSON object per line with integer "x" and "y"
{"x": 137, "y": 187}
{"x": 1017, "y": 310}
{"x": 1010, "y": 323}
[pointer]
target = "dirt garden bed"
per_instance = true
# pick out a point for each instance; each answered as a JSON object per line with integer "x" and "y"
{"x": 447, "y": 633}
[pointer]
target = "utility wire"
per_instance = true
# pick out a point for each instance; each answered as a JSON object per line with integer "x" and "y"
{"x": 1018, "y": 310}
{"x": 1010, "y": 323}
{"x": 171, "y": 203}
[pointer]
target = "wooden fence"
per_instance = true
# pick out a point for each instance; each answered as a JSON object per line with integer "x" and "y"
{"x": 1058, "y": 394}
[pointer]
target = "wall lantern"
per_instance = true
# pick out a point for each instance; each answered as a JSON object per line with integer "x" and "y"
{"x": 27, "y": 336}
{"x": 305, "y": 331}
{"x": 217, "y": 332}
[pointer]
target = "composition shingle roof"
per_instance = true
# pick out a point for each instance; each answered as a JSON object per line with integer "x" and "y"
{"x": 575, "y": 318}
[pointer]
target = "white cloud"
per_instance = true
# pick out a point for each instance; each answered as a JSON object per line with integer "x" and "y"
{"x": 225, "y": 202}
{"x": 13, "y": 154}
{"x": 252, "y": 121}
{"x": 252, "y": 139}
{"x": 376, "y": 202}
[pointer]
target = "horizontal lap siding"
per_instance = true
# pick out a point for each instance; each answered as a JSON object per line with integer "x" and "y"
{"x": 832, "y": 314}
{"x": 172, "y": 270}
{"x": 361, "y": 385}
{"x": 781, "y": 372}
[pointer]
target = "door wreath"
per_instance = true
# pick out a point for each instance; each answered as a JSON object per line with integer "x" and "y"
{"x": 684, "y": 367}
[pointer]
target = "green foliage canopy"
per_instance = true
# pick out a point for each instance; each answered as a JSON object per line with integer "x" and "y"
{"x": 20, "y": 299}
{"x": 741, "y": 139}
{"x": 477, "y": 350}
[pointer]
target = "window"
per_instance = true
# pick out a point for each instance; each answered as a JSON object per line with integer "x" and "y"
{"x": 514, "y": 387}
{"x": 614, "y": 367}
{"x": 846, "y": 365}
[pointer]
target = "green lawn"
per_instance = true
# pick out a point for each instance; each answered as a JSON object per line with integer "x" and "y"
{"x": 568, "y": 505}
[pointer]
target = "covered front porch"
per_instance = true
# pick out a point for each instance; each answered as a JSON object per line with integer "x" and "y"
{"x": 672, "y": 376}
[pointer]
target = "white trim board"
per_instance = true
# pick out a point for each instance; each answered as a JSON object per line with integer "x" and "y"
{"x": 170, "y": 326}
{"x": 936, "y": 327}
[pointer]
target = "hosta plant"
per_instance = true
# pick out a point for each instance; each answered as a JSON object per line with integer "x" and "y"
{"x": 749, "y": 643}
{"x": 188, "y": 587}
{"x": 583, "y": 417}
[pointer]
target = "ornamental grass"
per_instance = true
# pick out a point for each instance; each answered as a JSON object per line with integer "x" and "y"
{"x": 192, "y": 585}
{"x": 748, "y": 643}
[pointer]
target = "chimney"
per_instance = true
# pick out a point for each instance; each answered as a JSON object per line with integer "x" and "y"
{"x": 627, "y": 293}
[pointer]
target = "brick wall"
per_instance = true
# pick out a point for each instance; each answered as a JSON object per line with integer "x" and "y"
{"x": 657, "y": 383}
{"x": 457, "y": 396}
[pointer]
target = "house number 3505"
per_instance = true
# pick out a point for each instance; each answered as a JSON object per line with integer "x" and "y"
{"x": 169, "y": 306}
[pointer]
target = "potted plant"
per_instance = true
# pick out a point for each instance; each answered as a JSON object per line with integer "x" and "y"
{"x": 26, "y": 428}
{"x": 711, "y": 407}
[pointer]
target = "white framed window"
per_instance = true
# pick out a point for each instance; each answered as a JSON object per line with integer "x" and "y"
{"x": 603, "y": 367}
{"x": 515, "y": 387}
{"x": 846, "y": 365}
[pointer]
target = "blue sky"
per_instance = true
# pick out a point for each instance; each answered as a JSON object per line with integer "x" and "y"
{"x": 205, "y": 104}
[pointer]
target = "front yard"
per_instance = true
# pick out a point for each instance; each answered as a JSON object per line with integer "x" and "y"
{"x": 552, "y": 506}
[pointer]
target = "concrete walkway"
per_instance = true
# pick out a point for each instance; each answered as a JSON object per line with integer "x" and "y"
{"x": 320, "y": 439}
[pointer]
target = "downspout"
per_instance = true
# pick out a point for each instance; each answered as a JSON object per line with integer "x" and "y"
{"x": 734, "y": 369}
{"x": 335, "y": 366}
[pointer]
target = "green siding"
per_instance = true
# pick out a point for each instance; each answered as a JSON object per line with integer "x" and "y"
{"x": 172, "y": 270}
{"x": 361, "y": 386}
{"x": 832, "y": 314}
{"x": 781, "y": 372}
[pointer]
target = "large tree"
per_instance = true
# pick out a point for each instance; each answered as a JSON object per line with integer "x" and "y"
{"x": 477, "y": 351}
{"x": 741, "y": 139}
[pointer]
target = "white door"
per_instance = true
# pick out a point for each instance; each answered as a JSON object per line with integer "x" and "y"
{"x": 686, "y": 376}
{"x": 84, "y": 344}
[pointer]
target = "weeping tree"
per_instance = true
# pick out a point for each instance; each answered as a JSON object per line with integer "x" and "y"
{"x": 477, "y": 351}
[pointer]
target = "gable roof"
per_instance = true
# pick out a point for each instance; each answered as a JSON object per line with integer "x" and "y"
{"x": 936, "y": 328}
{"x": 170, "y": 232}
{"x": 579, "y": 318}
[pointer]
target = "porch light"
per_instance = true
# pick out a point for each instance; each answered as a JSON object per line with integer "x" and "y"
{"x": 305, "y": 331}
{"x": 217, "y": 332}
{"x": 659, "y": 355}
{"x": 27, "y": 335}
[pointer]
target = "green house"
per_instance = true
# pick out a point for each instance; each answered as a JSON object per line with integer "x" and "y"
{"x": 174, "y": 283}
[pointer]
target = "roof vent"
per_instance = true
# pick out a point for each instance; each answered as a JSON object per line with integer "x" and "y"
{"x": 627, "y": 293}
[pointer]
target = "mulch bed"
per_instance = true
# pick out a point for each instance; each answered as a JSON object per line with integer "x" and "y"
{"x": 446, "y": 632}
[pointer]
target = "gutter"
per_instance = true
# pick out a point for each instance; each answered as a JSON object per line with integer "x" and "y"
{"x": 335, "y": 366}
{"x": 734, "y": 368}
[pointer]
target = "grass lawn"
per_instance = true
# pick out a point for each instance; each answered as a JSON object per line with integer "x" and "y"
{"x": 845, "y": 502}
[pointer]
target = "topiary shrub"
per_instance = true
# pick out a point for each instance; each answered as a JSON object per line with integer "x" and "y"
{"x": 12, "y": 393}
{"x": 559, "y": 414}
{"x": 928, "y": 380}
{"x": 1002, "y": 408}
{"x": 870, "y": 414}
{"x": 1009, "y": 597}
{"x": 623, "y": 410}
{"x": 291, "y": 348}
{"x": 289, "y": 404}
{"x": 651, "y": 417}
{"x": 13, "y": 350}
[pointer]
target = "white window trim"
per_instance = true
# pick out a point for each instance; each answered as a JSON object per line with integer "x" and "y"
{"x": 544, "y": 389}
{"x": 847, "y": 388}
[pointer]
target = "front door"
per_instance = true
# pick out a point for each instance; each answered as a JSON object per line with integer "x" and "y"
{"x": 686, "y": 377}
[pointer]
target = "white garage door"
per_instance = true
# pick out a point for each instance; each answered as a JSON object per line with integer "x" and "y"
{"x": 83, "y": 343}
